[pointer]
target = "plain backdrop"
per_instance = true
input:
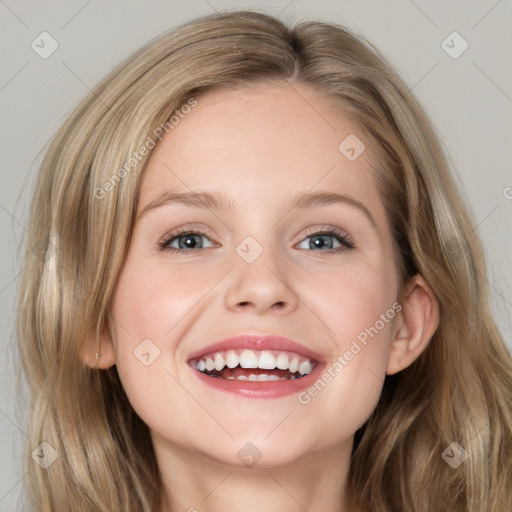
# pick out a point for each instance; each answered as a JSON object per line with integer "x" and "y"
{"x": 467, "y": 94}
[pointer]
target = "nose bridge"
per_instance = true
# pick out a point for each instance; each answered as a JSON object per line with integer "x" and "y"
{"x": 259, "y": 278}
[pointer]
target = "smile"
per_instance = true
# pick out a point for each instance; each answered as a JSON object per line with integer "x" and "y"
{"x": 257, "y": 366}
{"x": 254, "y": 365}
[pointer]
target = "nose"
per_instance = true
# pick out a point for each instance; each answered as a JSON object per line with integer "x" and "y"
{"x": 261, "y": 286}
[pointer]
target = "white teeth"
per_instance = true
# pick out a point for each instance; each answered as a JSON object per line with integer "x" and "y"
{"x": 282, "y": 362}
{"x": 248, "y": 359}
{"x": 231, "y": 359}
{"x": 219, "y": 362}
{"x": 305, "y": 367}
{"x": 253, "y": 377}
{"x": 261, "y": 377}
{"x": 266, "y": 361}
{"x": 294, "y": 365}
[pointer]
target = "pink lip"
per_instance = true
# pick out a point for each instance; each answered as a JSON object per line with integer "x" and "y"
{"x": 260, "y": 389}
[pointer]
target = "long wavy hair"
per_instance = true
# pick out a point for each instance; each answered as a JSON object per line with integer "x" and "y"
{"x": 458, "y": 391}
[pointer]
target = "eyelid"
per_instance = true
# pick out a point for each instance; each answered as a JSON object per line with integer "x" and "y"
{"x": 324, "y": 229}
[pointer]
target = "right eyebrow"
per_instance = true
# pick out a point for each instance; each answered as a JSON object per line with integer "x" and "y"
{"x": 201, "y": 199}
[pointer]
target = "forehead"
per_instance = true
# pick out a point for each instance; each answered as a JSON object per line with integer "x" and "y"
{"x": 265, "y": 140}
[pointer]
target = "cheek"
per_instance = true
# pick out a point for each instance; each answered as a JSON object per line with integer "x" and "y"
{"x": 150, "y": 306}
{"x": 147, "y": 304}
{"x": 151, "y": 299}
{"x": 358, "y": 313}
{"x": 350, "y": 299}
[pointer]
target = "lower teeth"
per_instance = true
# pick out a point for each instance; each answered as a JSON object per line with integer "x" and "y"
{"x": 254, "y": 377}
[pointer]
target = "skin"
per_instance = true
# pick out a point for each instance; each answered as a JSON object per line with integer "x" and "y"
{"x": 258, "y": 146}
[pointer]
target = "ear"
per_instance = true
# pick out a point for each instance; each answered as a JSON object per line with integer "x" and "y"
{"x": 419, "y": 321}
{"x": 98, "y": 352}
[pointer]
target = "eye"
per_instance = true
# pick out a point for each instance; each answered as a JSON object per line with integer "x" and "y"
{"x": 326, "y": 239}
{"x": 185, "y": 240}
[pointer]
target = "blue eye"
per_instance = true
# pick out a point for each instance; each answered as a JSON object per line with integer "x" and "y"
{"x": 326, "y": 241}
{"x": 189, "y": 240}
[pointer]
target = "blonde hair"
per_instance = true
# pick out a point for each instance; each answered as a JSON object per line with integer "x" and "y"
{"x": 458, "y": 390}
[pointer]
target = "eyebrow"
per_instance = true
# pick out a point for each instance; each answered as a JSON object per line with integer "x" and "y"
{"x": 215, "y": 201}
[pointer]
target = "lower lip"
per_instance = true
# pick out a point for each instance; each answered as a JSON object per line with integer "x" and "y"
{"x": 261, "y": 389}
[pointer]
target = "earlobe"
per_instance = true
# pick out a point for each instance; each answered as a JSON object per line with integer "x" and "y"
{"x": 99, "y": 353}
{"x": 420, "y": 319}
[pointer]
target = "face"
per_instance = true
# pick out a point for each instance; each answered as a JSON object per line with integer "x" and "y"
{"x": 303, "y": 290}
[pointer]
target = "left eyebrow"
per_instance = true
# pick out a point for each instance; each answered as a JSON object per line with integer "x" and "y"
{"x": 216, "y": 201}
{"x": 318, "y": 199}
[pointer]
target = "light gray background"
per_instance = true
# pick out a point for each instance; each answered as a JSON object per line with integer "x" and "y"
{"x": 468, "y": 98}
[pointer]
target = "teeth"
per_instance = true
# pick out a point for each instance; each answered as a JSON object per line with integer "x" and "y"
{"x": 293, "y": 366}
{"x": 231, "y": 359}
{"x": 305, "y": 368}
{"x": 219, "y": 362}
{"x": 265, "y": 359}
{"x": 248, "y": 359}
{"x": 260, "y": 377}
{"x": 282, "y": 362}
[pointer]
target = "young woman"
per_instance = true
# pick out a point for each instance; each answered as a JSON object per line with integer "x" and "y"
{"x": 259, "y": 289}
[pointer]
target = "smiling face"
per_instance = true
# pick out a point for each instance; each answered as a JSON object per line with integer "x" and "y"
{"x": 268, "y": 259}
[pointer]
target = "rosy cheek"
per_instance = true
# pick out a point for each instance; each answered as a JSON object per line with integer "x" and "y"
{"x": 139, "y": 294}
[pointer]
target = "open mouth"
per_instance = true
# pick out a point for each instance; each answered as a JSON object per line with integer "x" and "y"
{"x": 254, "y": 365}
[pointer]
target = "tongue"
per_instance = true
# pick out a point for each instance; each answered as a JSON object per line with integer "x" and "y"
{"x": 236, "y": 372}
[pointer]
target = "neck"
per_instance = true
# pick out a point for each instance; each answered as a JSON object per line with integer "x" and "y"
{"x": 195, "y": 483}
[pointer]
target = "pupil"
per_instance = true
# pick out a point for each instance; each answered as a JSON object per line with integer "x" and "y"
{"x": 320, "y": 243}
{"x": 188, "y": 241}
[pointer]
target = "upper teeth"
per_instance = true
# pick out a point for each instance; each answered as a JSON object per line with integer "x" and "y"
{"x": 264, "y": 359}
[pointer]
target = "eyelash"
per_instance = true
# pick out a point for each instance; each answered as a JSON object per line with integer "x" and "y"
{"x": 346, "y": 241}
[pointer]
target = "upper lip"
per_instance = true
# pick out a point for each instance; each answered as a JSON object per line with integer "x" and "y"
{"x": 257, "y": 342}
